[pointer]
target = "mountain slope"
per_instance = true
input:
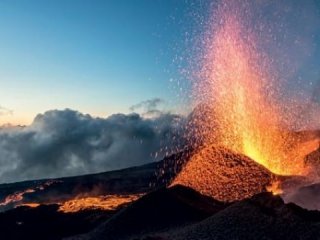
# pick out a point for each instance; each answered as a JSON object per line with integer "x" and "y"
{"x": 224, "y": 175}
{"x": 162, "y": 210}
{"x": 262, "y": 217}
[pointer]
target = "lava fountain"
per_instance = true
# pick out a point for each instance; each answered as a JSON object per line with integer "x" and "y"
{"x": 236, "y": 81}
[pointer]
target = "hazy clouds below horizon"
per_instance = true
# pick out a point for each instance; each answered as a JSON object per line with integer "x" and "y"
{"x": 66, "y": 142}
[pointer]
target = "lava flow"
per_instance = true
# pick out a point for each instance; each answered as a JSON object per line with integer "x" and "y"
{"x": 18, "y": 196}
{"x": 109, "y": 202}
{"x": 77, "y": 204}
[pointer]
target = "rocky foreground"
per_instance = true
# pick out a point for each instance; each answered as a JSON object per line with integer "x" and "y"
{"x": 216, "y": 194}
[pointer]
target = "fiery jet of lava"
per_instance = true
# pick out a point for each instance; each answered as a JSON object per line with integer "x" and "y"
{"x": 237, "y": 82}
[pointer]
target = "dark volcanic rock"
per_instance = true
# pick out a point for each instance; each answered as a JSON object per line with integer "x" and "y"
{"x": 264, "y": 216}
{"x": 180, "y": 213}
{"x": 158, "y": 211}
{"x": 175, "y": 213}
{"x": 46, "y": 222}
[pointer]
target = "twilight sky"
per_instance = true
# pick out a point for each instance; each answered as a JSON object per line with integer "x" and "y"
{"x": 98, "y": 57}
{"x": 102, "y": 57}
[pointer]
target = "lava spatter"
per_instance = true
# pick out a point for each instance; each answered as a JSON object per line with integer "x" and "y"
{"x": 224, "y": 175}
{"x": 237, "y": 81}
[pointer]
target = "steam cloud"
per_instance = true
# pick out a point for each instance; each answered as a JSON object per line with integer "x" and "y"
{"x": 307, "y": 197}
{"x": 63, "y": 143}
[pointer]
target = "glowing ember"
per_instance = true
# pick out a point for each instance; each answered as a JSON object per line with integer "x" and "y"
{"x": 15, "y": 197}
{"x": 110, "y": 202}
{"x": 224, "y": 175}
{"x": 31, "y": 205}
{"x": 18, "y": 196}
{"x": 275, "y": 188}
{"x": 236, "y": 81}
{"x": 106, "y": 202}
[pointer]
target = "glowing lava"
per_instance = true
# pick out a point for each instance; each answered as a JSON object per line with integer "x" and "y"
{"x": 224, "y": 175}
{"x": 237, "y": 82}
{"x": 30, "y": 205}
{"x": 104, "y": 202}
{"x": 19, "y": 195}
{"x": 275, "y": 188}
{"x": 110, "y": 202}
{"x": 16, "y": 197}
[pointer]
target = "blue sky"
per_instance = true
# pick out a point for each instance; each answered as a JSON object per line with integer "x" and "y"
{"x": 101, "y": 57}
{"x": 98, "y": 57}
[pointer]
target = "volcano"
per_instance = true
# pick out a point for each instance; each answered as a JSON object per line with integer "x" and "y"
{"x": 246, "y": 166}
{"x": 188, "y": 202}
{"x": 224, "y": 175}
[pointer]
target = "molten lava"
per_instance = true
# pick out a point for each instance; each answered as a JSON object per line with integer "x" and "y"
{"x": 30, "y": 205}
{"x": 15, "y": 197}
{"x": 224, "y": 175}
{"x": 245, "y": 133}
{"x": 275, "y": 188}
{"x": 19, "y": 195}
{"x": 110, "y": 202}
{"x": 105, "y": 202}
{"x": 237, "y": 82}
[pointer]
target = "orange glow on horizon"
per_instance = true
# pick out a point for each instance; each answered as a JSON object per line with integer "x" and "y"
{"x": 14, "y": 120}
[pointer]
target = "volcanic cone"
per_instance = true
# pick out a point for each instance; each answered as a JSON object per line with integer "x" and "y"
{"x": 224, "y": 175}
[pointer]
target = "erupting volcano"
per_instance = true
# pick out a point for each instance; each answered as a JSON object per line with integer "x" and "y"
{"x": 242, "y": 113}
{"x": 244, "y": 157}
{"x": 237, "y": 81}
